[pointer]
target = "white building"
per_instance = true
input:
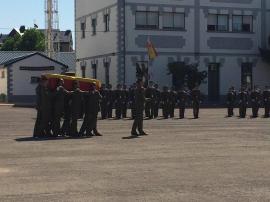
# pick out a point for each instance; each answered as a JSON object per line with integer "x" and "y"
{"x": 19, "y": 75}
{"x": 223, "y": 36}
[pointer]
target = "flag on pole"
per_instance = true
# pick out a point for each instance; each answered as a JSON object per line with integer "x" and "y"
{"x": 152, "y": 52}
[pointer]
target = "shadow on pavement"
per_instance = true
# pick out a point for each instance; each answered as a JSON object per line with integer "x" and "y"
{"x": 130, "y": 137}
{"x": 31, "y": 139}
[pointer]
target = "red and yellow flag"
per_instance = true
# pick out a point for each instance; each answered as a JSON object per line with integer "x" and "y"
{"x": 152, "y": 52}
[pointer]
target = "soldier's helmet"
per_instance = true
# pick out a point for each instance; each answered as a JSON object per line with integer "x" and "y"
{"x": 156, "y": 86}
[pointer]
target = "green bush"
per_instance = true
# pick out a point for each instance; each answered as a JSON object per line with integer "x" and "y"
{"x": 3, "y": 97}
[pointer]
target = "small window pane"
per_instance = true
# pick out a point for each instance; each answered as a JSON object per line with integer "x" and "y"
{"x": 152, "y": 19}
{"x": 247, "y": 23}
{"x": 141, "y": 18}
{"x": 222, "y": 23}
{"x": 179, "y": 20}
{"x": 168, "y": 20}
{"x": 237, "y": 23}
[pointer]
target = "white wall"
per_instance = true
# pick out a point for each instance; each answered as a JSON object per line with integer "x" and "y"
{"x": 21, "y": 79}
{"x": 3, "y": 81}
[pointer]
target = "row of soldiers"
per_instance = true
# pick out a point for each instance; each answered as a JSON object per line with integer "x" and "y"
{"x": 53, "y": 105}
{"x": 248, "y": 98}
{"x": 168, "y": 100}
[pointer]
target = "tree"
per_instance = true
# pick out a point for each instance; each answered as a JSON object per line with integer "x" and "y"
{"x": 11, "y": 43}
{"x": 186, "y": 75}
{"x": 31, "y": 40}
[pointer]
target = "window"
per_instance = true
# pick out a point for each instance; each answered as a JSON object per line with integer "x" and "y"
{"x": 94, "y": 26}
{"x": 34, "y": 80}
{"x": 83, "y": 26}
{"x": 94, "y": 68}
{"x": 247, "y": 76}
{"x": 147, "y": 20}
{"x": 3, "y": 74}
{"x": 173, "y": 20}
{"x": 107, "y": 22}
{"x": 218, "y": 22}
{"x": 242, "y": 23}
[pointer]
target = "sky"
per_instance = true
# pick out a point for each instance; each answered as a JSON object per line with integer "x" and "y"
{"x": 15, "y": 13}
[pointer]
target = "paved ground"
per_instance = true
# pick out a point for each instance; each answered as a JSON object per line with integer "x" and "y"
{"x": 210, "y": 159}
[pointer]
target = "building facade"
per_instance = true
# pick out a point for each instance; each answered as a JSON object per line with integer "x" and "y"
{"x": 222, "y": 36}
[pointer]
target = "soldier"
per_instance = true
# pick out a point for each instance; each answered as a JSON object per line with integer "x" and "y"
{"x": 58, "y": 107}
{"x": 139, "y": 108}
{"x": 104, "y": 102}
{"x": 110, "y": 101}
{"x": 156, "y": 98}
{"x": 196, "y": 101}
{"x": 132, "y": 100}
{"x": 172, "y": 99}
{"x": 182, "y": 100}
{"x": 76, "y": 107}
{"x": 118, "y": 101}
{"x": 255, "y": 97}
{"x": 266, "y": 101}
{"x": 125, "y": 99}
{"x": 149, "y": 104}
{"x": 243, "y": 102}
{"x": 45, "y": 107}
{"x": 165, "y": 100}
{"x": 65, "y": 130}
{"x": 92, "y": 105}
{"x": 231, "y": 98}
{"x": 37, "y": 130}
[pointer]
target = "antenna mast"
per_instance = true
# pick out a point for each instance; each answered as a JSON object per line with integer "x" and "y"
{"x": 52, "y": 31}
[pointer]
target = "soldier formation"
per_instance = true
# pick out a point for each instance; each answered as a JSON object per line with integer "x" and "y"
{"x": 58, "y": 104}
{"x": 254, "y": 98}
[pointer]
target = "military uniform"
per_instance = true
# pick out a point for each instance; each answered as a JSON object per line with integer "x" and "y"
{"x": 125, "y": 100}
{"x": 65, "y": 130}
{"x": 266, "y": 102}
{"x": 118, "y": 102}
{"x": 231, "y": 98}
{"x": 243, "y": 103}
{"x": 104, "y": 102}
{"x": 92, "y": 105}
{"x": 58, "y": 109}
{"x": 37, "y": 130}
{"x": 255, "y": 98}
{"x": 110, "y": 102}
{"x": 149, "y": 106}
{"x": 156, "y": 100}
{"x": 196, "y": 101}
{"x": 182, "y": 100}
{"x": 76, "y": 107}
{"x": 165, "y": 100}
{"x": 172, "y": 104}
{"x": 139, "y": 108}
{"x": 132, "y": 101}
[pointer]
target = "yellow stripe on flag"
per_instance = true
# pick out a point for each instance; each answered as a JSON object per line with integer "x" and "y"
{"x": 152, "y": 53}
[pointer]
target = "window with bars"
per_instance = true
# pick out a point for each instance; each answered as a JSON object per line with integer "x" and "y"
{"x": 94, "y": 70}
{"x": 94, "y": 26}
{"x": 247, "y": 75}
{"x": 218, "y": 22}
{"x": 173, "y": 20}
{"x": 83, "y": 27}
{"x": 147, "y": 20}
{"x": 107, "y": 22}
